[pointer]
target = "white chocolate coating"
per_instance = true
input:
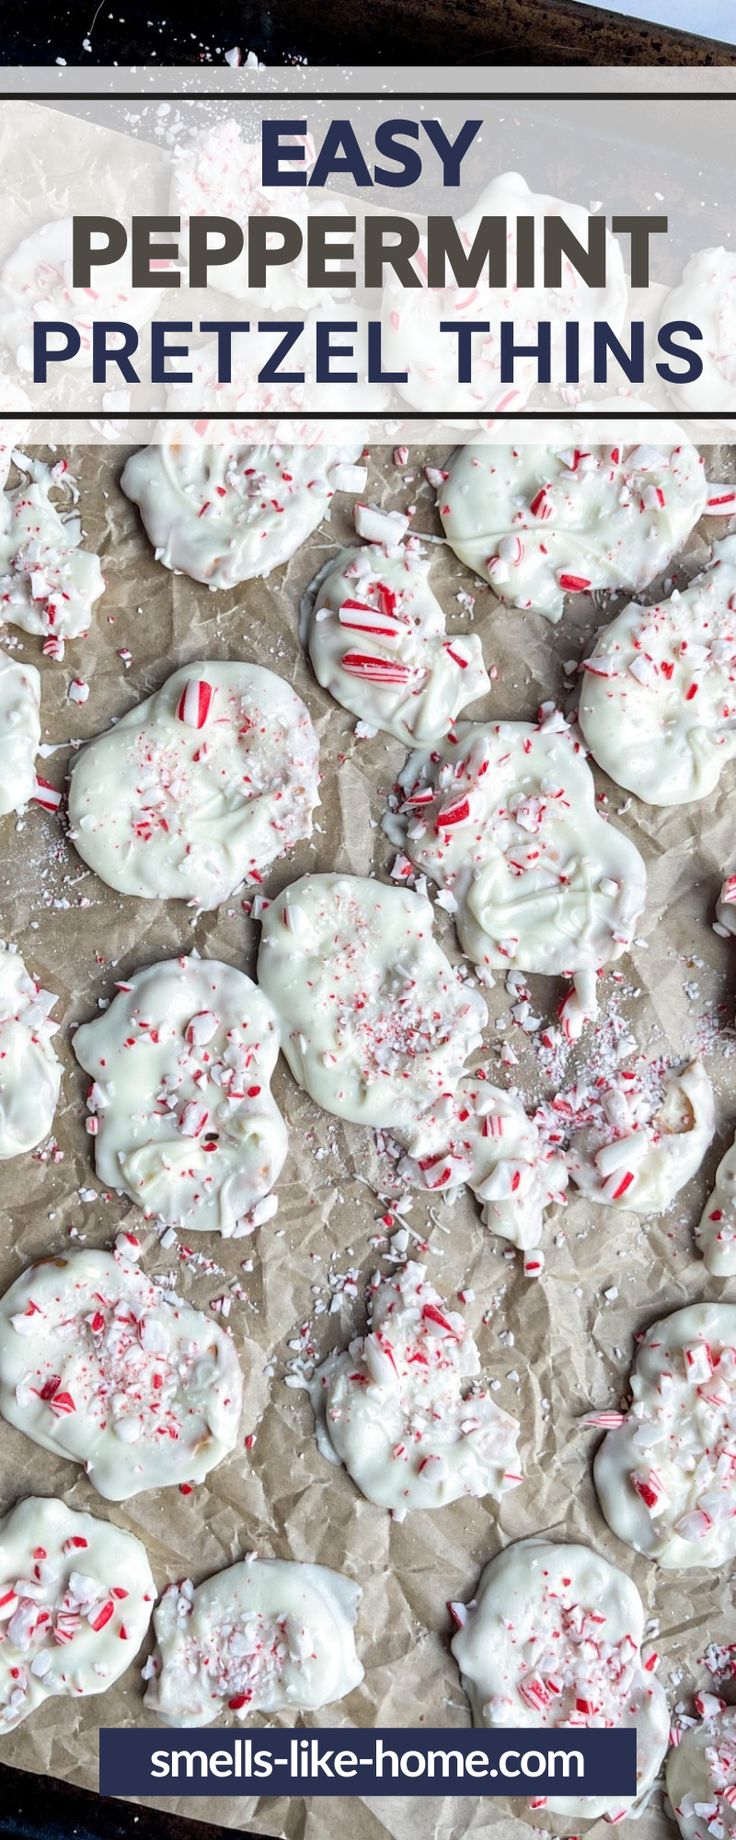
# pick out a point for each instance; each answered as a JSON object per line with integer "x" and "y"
{"x": 716, "y": 1229}
{"x": 504, "y": 817}
{"x": 397, "y": 1407}
{"x": 76, "y": 1596}
{"x": 20, "y": 731}
{"x": 185, "y": 1120}
{"x": 665, "y": 1478}
{"x": 658, "y": 697}
{"x": 36, "y": 285}
{"x": 484, "y": 1137}
{"x": 48, "y": 584}
{"x": 225, "y": 514}
{"x": 100, "y": 1364}
{"x": 701, "y": 1778}
{"x": 706, "y": 296}
{"x": 647, "y": 1137}
{"x": 30, "y": 1074}
{"x": 569, "y": 517}
{"x": 266, "y": 1635}
{"x": 378, "y": 642}
{"x": 553, "y": 1640}
{"x": 376, "y": 1022}
{"x": 200, "y": 788}
{"x": 411, "y": 336}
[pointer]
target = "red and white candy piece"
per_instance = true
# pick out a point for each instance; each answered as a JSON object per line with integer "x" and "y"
{"x": 665, "y": 1474}
{"x": 194, "y": 703}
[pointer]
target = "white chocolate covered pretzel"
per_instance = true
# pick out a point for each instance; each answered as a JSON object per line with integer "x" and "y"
{"x": 30, "y": 1074}
{"x": 665, "y": 1477}
{"x": 716, "y": 1229}
{"x": 199, "y": 788}
{"x": 20, "y": 731}
{"x": 376, "y": 1023}
{"x": 181, "y": 1110}
{"x": 76, "y": 1596}
{"x": 571, "y": 517}
{"x": 378, "y": 642}
{"x": 266, "y": 1635}
{"x": 101, "y": 1364}
{"x": 701, "y": 1778}
{"x": 553, "y": 1640}
{"x": 227, "y": 513}
{"x": 403, "y": 1407}
{"x": 48, "y": 583}
{"x": 504, "y": 817}
{"x": 658, "y": 696}
{"x": 644, "y": 1136}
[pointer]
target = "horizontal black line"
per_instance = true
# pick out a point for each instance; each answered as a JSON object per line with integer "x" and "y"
{"x": 362, "y": 96}
{"x": 367, "y": 415}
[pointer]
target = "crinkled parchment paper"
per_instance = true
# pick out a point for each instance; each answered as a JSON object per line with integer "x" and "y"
{"x": 571, "y": 1343}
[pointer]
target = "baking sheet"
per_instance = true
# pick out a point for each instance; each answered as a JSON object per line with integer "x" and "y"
{"x": 571, "y": 1343}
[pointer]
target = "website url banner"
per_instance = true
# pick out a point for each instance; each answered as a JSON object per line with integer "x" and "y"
{"x": 380, "y": 1762}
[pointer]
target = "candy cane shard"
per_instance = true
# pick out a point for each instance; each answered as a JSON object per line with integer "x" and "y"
{"x": 540, "y": 523}
{"x": 227, "y": 513}
{"x": 552, "y": 1640}
{"x": 266, "y": 1635}
{"x": 483, "y": 1137}
{"x": 376, "y": 1023}
{"x": 199, "y": 788}
{"x": 31, "y": 1074}
{"x": 705, "y": 296}
{"x": 76, "y": 1596}
{"x": 20, "y": 732}
{"x": 48, "y": 583}
{"x": 378, "y": 642}
{"x": 152, "y": 1386}
{"x": 540, "y": 880}
{"x": 645, "y": 1137}
{"x": 716, "y": 1230}
{"x": 412, "y": 342}
{"x": 725, "y": 920}
{"x": 701, "y": 1775}
{"x": 403, "y": 1407}
{"x": 665, "y": 1478}
{"x": 185, "y": 1122}
{"x": 658, "y": 692}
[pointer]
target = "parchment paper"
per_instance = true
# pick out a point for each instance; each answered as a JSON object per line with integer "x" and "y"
{"x": 571, "y": 1345}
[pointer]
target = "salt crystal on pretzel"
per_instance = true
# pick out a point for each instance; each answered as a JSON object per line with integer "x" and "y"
{"x": 263, "y": 1636}
{"x": 229, "y": 512}
{"x": 376, "y": 1023}
{"x": 542, "y": 882}
{"x": 658, "y": 694}
{"x": 415, "y": 679}
{"x": 403, "y": 1409}
{"x": 76, "y": 1596}
{"x": 20, "y": 731}
{"x": 701, "y": 1774}
{"x": 553, "y": 1639}
{"x": 31, "y": 1074}
{"x": 155, "y": 1384}
{"x": 665, "y": 1477}
{"x": 150, "y": 1074}
{"x": 482, "y": 1136}
{"x": 199, "y": 788}
{"x": 412, "y": 341}
{"x": 706, "y": 297}
{"x": 716, "y": 1230}
{"x": 638, "y": 1153}
{"x": 542, "y": 522}
{"x": 48, "y": 583}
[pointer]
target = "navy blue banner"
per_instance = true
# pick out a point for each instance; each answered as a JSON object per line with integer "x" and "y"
{"x": 514, "y": 1761}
